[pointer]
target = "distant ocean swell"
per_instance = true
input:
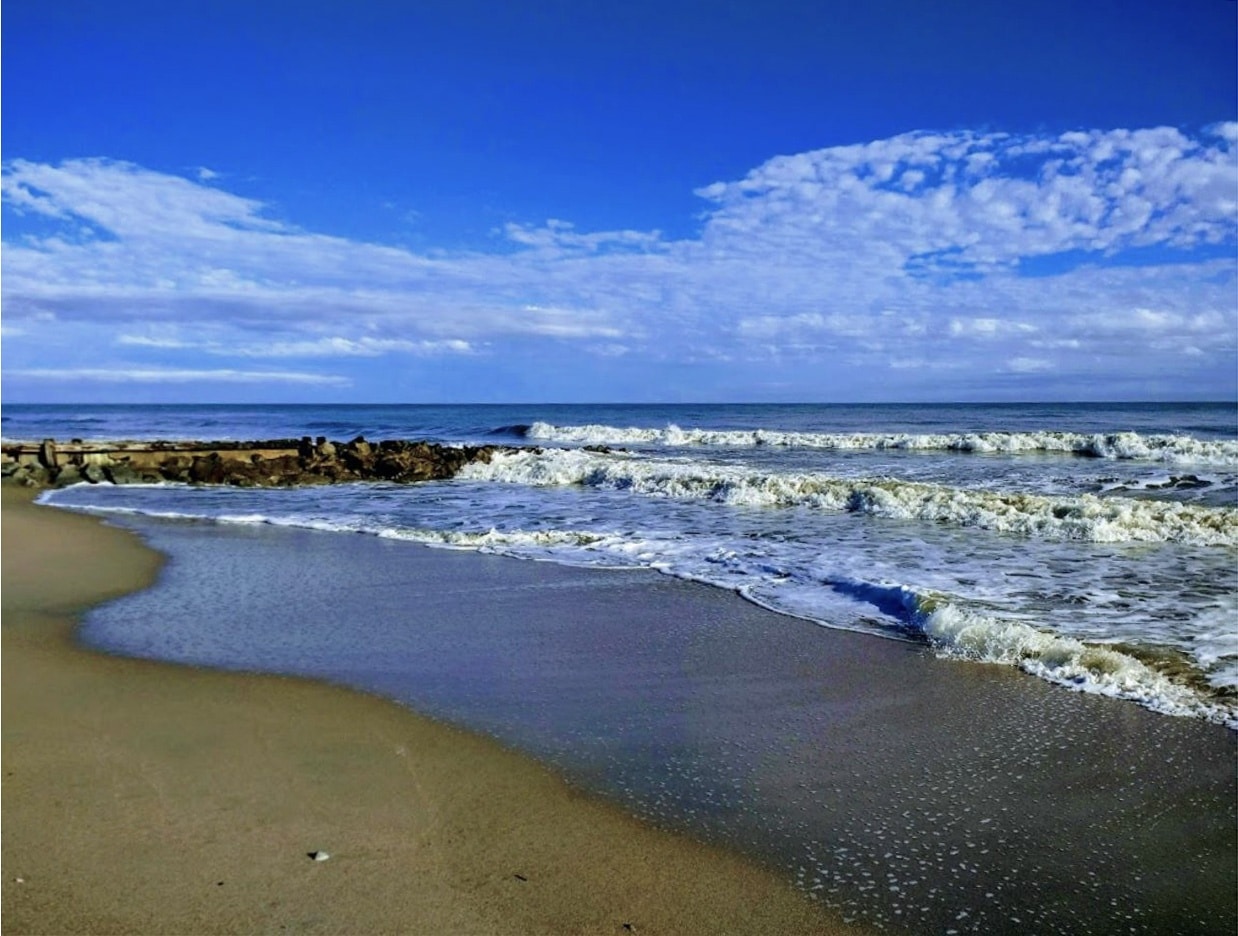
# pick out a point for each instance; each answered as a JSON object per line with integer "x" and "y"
{"x": 1083, "y": 517}
{"x": 1118, "y": 445}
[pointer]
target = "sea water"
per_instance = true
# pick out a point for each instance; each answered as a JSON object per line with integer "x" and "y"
{"x": 1094, "y": 546}
{"x": 1090, "y": 547}
{"x": 913, "y": 793}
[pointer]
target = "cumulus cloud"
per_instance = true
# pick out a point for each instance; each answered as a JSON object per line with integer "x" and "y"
{"x": 997, "y": 253}
{"x": 556, "y": 235}
{"x": 970, "y": 201}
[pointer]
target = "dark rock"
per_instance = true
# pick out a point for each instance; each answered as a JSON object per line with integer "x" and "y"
{"x": 358, "y": 459}
{"x": 285, "y": 466}
{"x": 47, "y": 453}
{"x": 208, "y": 469}
{"x": 280, "y": 462}
{"x": 120, "y": 473}
{"x": 1188, "y": 481}
{"x": 66, "y": 475}
{"x": 175, "y": 467}
{"x": 29, "y": 475}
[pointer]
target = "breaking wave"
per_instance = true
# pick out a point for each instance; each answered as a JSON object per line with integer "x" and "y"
{"x": 1082, "y": 517}
{"x": 959, "y": 633}
{"x": 785, "y": 581}
{"x": 1116, "y": 445}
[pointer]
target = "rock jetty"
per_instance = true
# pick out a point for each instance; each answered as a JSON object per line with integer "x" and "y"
{"x": 270, "y": 463}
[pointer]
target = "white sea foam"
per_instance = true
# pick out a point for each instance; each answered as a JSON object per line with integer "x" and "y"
{"x": 960, "y": 633}
{"x": 1082, "y": 517}
{"x": 50, "y": 498}
{"x": 1117, "y": 445}
{"x": 513, "y": 542}
{"x": 519, "y": 543}
{"x": 1215, "y": 642}
{"x": 799, "y": 561}
{"x": 504, "y": 541}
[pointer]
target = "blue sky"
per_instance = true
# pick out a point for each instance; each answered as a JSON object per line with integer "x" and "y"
{"x": 674, "y": 201}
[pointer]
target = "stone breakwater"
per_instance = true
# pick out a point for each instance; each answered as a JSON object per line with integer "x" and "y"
{"x": 270, "y": 463}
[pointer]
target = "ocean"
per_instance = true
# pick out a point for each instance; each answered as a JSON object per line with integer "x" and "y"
{"x": 983, "y": 678}
{"x": 1091, "y": 545}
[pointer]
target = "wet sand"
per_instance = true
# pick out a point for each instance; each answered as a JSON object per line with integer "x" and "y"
{"x": 925, "y": 795}
{"x": 143, "y": 797}
{"x": 920, "y": 794}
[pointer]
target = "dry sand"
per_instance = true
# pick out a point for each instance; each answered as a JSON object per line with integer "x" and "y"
{"x": 146, "y": 797}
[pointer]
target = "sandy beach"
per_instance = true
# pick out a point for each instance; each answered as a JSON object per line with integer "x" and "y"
{"x": 142, "y": 797}
{"x": 599, "y": 709}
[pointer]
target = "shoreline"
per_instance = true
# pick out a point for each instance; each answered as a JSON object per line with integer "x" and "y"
{"x": 987, "y": 801}
{"x": 143, "y": 796}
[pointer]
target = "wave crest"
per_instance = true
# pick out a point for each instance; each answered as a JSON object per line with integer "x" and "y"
{"x": 959, "y": 633}
{"x": 1114, "y": 445}
{"x": 1082, "y": 517}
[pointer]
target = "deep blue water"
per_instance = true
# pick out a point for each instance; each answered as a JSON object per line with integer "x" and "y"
{"x": 486, "y": 422}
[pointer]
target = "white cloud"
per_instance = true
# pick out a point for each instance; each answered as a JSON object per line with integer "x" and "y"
{"x": 568, "y": 323}
{"x": 562, "y": 235}
{"x": 902, "y": 250}
{"x": 1028, "y": 365}
{"x": 348, "y": 347}
{"x": 987, "y": 327}
{"x": 172, "y": 375}
{"x": 989, "y": 200}
{"x": 130, "y": 202}
{"x": 365, "y": 346}
{"x": 143, "y": 341}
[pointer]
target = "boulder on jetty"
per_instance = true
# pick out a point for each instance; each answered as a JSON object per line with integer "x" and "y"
{"x": 270, "y": 463}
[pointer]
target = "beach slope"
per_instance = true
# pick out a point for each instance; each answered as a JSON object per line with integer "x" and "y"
{"x": 145, "y": 797}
